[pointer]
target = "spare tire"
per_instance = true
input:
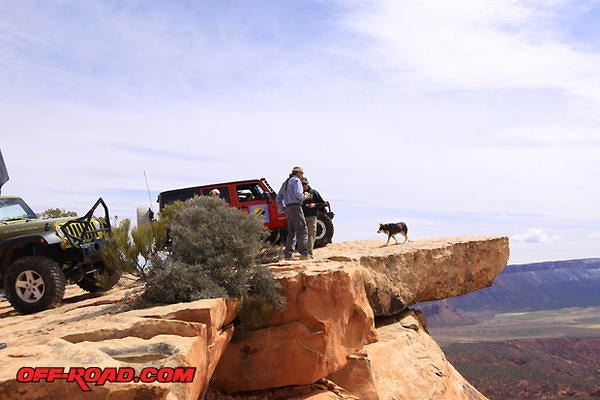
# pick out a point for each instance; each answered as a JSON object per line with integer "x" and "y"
{"x": 324, "y": 230}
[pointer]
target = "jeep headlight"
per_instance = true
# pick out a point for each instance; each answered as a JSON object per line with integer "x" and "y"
{"x": 61, "y": 234}
{"x": 59, "y": 231}
{"x": 100, "y": 227}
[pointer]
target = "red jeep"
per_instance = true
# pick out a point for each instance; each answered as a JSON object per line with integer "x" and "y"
{"x": 255, "y": 196}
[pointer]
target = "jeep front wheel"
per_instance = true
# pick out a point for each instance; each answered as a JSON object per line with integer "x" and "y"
{"x": 33, "y": 284}
{"x": 99, "y": 278}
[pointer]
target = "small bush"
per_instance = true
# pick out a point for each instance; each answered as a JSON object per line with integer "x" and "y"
{"x": 262, "y": 282}
{"x": 254, "y": 314}
{"x": 269, "y": 252}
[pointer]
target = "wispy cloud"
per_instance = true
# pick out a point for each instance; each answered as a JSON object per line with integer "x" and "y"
{"x": 475, "y": 45}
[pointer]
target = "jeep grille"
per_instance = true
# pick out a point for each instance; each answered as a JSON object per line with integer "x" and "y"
{"x": 82, "y": 231}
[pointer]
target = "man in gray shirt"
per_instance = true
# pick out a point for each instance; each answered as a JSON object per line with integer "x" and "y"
{"x": 290, "y": 198}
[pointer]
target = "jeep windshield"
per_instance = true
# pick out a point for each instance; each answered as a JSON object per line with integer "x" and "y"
{"x": 13, "y": 209}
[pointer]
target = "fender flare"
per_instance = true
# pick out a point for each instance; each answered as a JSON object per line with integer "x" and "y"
{"x": 8, "y": 246}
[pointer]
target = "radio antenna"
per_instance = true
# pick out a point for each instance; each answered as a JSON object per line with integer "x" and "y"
{"x": 148, "y": 189}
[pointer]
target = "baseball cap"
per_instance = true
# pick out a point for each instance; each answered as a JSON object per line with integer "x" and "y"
{"x": 297, "y": 169}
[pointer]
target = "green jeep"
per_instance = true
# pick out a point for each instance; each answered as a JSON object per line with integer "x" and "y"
{"x": 38, "y": 256}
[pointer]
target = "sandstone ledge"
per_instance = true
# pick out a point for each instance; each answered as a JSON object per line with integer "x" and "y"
{"x": 329, "y": 324}
{"x": 398, "y": 276}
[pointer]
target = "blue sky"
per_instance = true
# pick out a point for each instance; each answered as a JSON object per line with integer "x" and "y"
{"x": 461, "y": 118}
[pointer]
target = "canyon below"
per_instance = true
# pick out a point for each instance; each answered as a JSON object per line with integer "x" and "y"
{"x": 534, "y": 334}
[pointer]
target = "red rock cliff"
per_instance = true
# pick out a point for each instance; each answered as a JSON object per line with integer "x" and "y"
{"x": 327, "y": 344}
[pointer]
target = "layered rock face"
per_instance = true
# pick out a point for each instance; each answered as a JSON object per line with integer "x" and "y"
{"x": 328, "y": 318}
{"x": 404, "y": 363}
{"x": 324, "y": 345}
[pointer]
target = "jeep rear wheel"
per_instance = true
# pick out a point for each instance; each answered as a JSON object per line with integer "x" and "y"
{"x": 33, "y": 284}
{"x": 324, "y": 230}
{"x": 99, "y": 279}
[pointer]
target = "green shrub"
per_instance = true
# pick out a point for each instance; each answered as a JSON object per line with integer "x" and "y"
{"x": 130, "y": 250}
{"x": 254, "y": 314}
{"x": 119, "y": 252}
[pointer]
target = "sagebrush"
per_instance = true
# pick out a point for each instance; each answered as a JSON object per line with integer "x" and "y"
{"x": 198, "y": 249}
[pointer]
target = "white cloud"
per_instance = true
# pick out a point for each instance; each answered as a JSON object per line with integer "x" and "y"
{"x": 534, "y": 235}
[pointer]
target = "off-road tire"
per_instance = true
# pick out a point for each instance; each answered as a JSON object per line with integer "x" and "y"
{"x": 324, "y": 230}
{"x": 43, "y": 275}
{"x": 100, "y": 281}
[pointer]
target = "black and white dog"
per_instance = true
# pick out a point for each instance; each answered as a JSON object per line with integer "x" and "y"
{"x": 393, "y": 229}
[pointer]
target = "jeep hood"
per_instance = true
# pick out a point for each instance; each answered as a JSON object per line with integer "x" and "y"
{"x": 17, "y": 228}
